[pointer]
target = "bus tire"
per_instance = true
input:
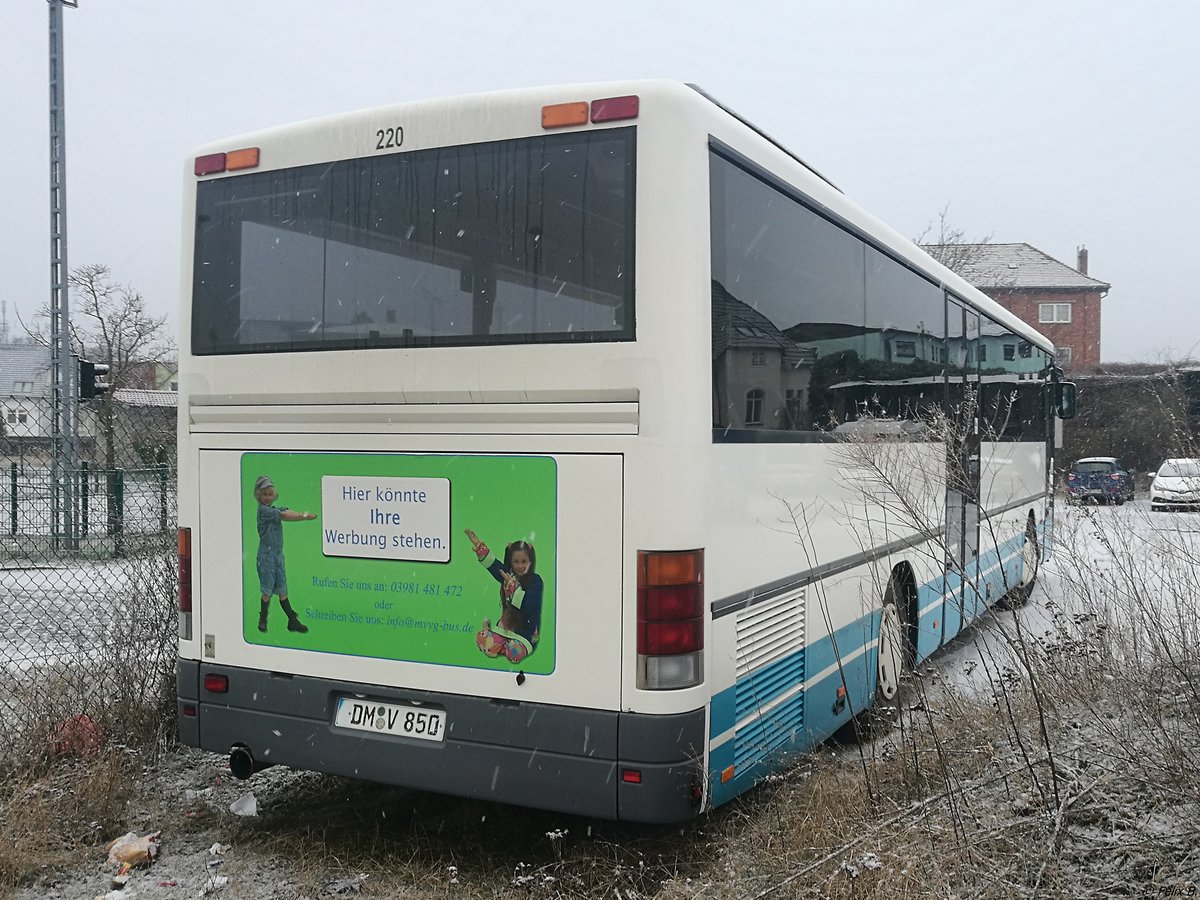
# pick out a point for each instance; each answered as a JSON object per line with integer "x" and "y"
{"x": 895, "y": 652}
{"x": 1031, "y": 560}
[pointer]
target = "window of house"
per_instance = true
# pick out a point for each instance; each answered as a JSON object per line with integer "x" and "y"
{"x": 23, "y": 387}
{"x": 1062, "y": 356}
{"x": 758, "y": 358}
{"x": 794, "y": 403}
{"x": 1054, "y": 312}
{"x": 1025, "y": 349}
{"x": 906, "y": 349}
{"x": 754, "y": 406}
{"x": 983, "y": 353}
{"x": 1010, "y": 351}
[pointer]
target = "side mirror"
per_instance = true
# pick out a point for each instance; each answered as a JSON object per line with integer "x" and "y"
{"x": 1064, "y": 399}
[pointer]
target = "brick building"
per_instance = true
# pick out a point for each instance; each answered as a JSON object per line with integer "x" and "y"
{"x": 1060, "y": 302}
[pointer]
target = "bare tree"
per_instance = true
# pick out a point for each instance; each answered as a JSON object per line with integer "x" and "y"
{"x": 967, "y": 258}
{"x": 111, "y": 325}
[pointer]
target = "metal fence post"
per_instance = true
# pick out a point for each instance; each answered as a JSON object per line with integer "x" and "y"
{"x": 162, "y": 490}
{"x": 13, "y": 482}
{"x": 83, "y": 498}
{"x": 116, "y": 509}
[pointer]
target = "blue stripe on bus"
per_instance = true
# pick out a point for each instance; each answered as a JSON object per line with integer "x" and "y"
{"x": 761, "y": 686}
{"x": 804, "y": 720}
{"x": 795, "y": 726}
{"x": 767, "y": 683}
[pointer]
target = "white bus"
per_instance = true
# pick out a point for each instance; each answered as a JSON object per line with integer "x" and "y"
{"x": 509, "y": 450}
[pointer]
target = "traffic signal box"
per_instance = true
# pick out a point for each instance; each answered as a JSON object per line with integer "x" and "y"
{"x": 91, "y": 379}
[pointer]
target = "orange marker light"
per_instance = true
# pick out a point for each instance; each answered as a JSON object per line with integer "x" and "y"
{"x": 726, "y": 774}
{"x": 560, "y": 115}
{"x": 241, "y": 159}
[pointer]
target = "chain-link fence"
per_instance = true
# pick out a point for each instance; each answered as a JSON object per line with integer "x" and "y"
{"x": 87, "y": 572}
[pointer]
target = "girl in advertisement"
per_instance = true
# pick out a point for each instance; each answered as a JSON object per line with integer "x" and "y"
{"x": 515, "y": 634}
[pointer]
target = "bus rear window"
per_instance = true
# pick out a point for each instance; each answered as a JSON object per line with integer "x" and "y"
{"x": 512, "y": 242}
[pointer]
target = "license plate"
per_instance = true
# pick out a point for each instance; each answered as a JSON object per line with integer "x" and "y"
{"x": 402, "y": 719}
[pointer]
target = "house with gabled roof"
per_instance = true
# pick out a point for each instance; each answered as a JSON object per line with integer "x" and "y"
{"x": 1061, "y": 302}
{"x": 145, "y": 419}
{"x": 24, "y": 390}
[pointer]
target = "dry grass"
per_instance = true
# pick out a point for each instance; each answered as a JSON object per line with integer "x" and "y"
{"x": 48, "y": 817}
{"x": 967, "y": 796}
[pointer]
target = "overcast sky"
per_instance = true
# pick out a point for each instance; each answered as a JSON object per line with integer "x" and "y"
{"x": 1053, "y": 123}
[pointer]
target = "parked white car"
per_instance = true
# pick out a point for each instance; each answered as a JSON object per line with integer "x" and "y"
{"x": 1176, "y": 485}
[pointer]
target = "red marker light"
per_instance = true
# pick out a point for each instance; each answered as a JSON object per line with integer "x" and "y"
{"x": 613, "y": 109}
{"x": 210, "y": 164}
{"x": 216, "y": 684}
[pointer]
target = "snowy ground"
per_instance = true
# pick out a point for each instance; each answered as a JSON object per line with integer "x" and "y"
{"x": 1090, "y": 541}
{"x": 188, "y": 796}
{"x": 52, "y": 613}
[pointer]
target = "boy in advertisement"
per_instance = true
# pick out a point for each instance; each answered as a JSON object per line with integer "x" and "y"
{"x": 271, "y": 576}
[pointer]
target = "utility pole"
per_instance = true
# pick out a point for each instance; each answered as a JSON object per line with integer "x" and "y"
{"x": 64, "y": 453}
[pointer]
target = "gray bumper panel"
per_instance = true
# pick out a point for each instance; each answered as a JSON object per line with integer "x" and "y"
{"x": 529, "y": 754}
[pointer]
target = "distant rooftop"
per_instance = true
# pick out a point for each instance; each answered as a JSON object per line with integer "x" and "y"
{"x": 139, "y": 397}
{"x": 1012, "y": 267}
{"x": 24, "y": 370}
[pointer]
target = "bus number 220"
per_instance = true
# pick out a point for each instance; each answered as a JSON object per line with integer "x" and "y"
{"x": 389, "y": 138}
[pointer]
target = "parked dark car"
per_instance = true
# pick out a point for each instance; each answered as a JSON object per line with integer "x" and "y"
{"x": 1099, "y": 479}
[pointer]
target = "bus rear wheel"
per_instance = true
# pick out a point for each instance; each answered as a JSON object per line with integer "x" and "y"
{"x": 1031, "y": 559}
{"x": 895, "y": 653}
{"x": 890, "y": 666}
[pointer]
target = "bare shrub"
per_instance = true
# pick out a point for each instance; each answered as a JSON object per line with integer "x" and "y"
{"x": 112, "y": 661}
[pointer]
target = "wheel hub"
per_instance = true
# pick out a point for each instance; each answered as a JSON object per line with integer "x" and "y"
{"x": 890, "y": 653}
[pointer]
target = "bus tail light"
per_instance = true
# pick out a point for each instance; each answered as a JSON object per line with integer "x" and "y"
{"x": 183, "y": 542}
{"x": 670, "y": 618}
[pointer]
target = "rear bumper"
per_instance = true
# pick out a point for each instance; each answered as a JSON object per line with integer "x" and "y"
{"x": 550, "y": 757}
{"x": 1095, "y": 493}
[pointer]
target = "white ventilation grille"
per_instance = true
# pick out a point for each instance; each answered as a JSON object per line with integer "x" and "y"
{"x": 770, "y": 631}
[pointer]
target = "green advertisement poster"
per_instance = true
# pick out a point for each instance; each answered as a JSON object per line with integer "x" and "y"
{"x": 425, "y": 558}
